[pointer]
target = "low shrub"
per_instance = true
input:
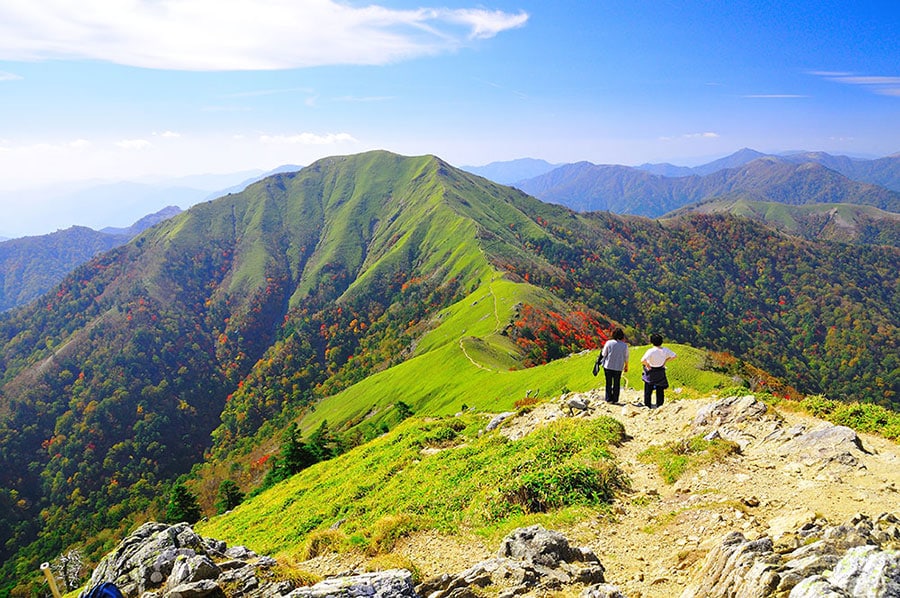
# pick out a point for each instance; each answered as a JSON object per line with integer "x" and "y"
{"x": 322, "y": 542}
{"x": 675, "y": 458}
{"x": 390, "y": 528}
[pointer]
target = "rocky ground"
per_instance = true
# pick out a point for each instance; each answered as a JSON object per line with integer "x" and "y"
{"x": 792, "y": 469}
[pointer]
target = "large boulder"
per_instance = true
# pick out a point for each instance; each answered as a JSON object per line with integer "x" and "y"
{"x": 394, "y": 583}
{"x": 172, "y": 561}
{"x": 529, "y": 559}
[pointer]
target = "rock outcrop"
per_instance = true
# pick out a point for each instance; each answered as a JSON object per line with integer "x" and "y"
{"x": 529, "y": 559}
{"x": 394, "y": 583}
{"x": 857, "y": 560}
{"x": 160, "y": 560}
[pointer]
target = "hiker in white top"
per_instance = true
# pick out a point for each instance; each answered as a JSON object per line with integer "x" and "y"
{"x": 654, "y": 363}
{"x": 614, "y": 359}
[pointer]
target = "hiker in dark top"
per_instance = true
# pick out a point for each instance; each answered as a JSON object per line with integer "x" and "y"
{"x": 654, "y": 362}
{"x": 614, "y": 359}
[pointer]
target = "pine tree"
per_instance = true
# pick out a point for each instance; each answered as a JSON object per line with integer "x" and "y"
{"x": 183, "y": 505}
{"x": 228, "y": 497}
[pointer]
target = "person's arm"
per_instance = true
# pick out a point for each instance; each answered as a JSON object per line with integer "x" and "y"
{"x": 625, "y": 369}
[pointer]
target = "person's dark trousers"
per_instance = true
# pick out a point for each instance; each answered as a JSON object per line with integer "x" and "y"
{"x": 648, "y": 394}
{"x": 613, "y": 381}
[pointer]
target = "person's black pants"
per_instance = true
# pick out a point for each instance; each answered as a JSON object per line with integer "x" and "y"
{"x": 648, "y": 394}
{"x": 613, "y": 382}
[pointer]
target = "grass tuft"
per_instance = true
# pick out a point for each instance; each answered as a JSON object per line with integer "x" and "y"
{"x": 675, "y": 458}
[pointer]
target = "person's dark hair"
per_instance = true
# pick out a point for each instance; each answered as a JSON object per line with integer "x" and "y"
{"x": 618, "y": 334}
{"x": 656, "y": 339}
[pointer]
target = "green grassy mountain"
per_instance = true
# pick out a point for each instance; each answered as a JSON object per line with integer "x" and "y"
{"x": 625, "y": 190}
{"x": 847, "y": 223}
{"x": 331, "y": 296}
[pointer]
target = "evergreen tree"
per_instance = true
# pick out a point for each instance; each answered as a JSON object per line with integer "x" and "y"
{"x": 183, "y": 505}
{"x": 228, "y": 497}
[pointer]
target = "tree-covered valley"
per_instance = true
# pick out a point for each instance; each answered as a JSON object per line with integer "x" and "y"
{"x": 198, "y": 343}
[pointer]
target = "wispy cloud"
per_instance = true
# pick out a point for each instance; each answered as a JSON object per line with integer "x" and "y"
{"x": 307, "y": 139}
{"x": 168, "y": 135}
{"x": 882, "y": 85}
{"x": 133, "y": 144}
{"x": 775, "y": 96}
{"x": 704, "y": 135}
{"x": 4, "y": 76}
{"x": 217, "y": 35}
{"x": 364, "y": 99}
{"x": 256, "y": 93}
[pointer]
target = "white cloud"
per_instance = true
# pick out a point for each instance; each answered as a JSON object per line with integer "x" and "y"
{"x": 133, "y": 144}
{"x": 168, "y": 135}
{"x": 4, "y": 76}
{"x": 237, "y": 34}
{"x": 881, "y": 85}
{"x": 307, "y": 139}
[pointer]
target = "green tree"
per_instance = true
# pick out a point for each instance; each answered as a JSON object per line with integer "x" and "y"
{"x": 228, "y": 497}
{"x": 183, "y": 505}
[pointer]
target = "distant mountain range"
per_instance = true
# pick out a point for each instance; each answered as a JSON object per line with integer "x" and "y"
{"x": 95, "y": 204}
{"x": 31, "y": 266}
{"x": 655, "y": 190}
{"x": 512, "y": 171}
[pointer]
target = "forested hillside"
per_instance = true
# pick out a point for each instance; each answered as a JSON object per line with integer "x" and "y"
{"x": 213, "y": 330}
{"x": 846, "y": 223}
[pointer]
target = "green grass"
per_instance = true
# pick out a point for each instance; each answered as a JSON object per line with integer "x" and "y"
{"x": 862, "y": 417}
{"x": 465, "y": 360}
{"x": 389, "y": 487}
{"x": 675, "y": 458}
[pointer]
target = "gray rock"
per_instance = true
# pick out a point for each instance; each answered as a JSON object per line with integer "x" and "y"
{"x": 730, "y": 410}
{"x": 824, "y": 445}
{"x": 529, "y": 558}
{"x": 193, "y": 569}
{"x": 498, "y": 419}
{"x": 395, "y": 583}
{"x": 536, "y": 545}
{"x": 868, "y": 571}
{"x": 602, "y": 590}
{"x": 173, "y": 561}
{"x": 817, "y": 587}
{"x": 199, "y": 589}
{"x": 831, "y": 561}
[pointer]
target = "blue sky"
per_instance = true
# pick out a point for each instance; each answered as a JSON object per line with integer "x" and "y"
{"x": 120, "y": 90}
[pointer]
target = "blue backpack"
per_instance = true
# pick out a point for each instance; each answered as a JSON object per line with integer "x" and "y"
{"x": 104, "y": 590}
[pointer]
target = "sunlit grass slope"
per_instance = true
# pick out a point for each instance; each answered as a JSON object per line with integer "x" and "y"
{"x": 466, "y": 363}
{"x": 442, "y": 474}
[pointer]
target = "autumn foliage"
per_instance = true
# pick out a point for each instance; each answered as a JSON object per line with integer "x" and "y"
{"x": 545, "y": 335}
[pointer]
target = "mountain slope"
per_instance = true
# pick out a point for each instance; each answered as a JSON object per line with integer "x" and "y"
{"x": 372, "y": 277}
{"x": 845, "y": 223}
{"x": 620, "y": 189}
